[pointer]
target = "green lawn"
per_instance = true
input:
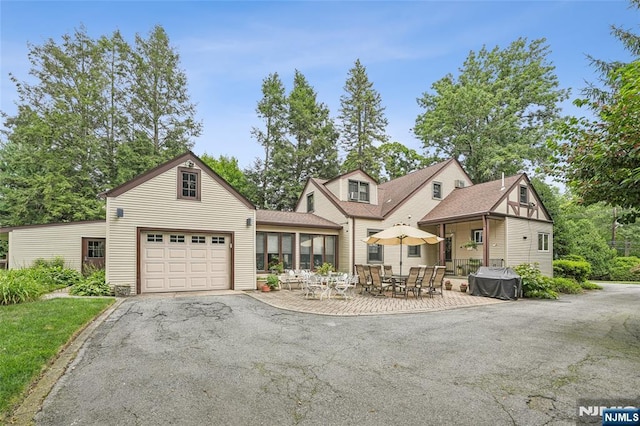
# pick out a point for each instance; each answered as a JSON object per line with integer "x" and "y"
{"x": 31, "y": 334}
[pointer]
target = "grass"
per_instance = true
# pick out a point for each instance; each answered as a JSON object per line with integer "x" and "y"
{"x": 31, "y": 334}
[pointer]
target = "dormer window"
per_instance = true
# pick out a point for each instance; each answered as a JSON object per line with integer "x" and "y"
{"x": 189, "y": 183}
{"x": 358, "y": 191}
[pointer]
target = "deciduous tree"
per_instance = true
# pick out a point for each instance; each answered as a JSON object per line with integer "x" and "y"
{"x": 497, "y": 114}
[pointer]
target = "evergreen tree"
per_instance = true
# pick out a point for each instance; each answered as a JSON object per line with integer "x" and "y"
{"x": 272, "y": 110}
{"x": 162, "y": 115}
{"x": 314, "y": 137}
{"x": 362, "y": 122}
{"x": 97, "y": 115}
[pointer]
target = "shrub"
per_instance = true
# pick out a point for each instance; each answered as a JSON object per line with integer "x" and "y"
{"x": 49, "y": 263}
{"x": 588, "y": 285}
{"x": 20, "y": 285}
{"x": 566, "y": 285}
{"x": 93, "y": 285}
{"x": 325, "y": 269}
{"x": 625, "y": 269}
{"x": 574, "y": 257}
{"x": 58, "y": 277}
{"x": 534, "y": 284}
{"x": 578, "y": 270}
{"x": 272, "y": 281}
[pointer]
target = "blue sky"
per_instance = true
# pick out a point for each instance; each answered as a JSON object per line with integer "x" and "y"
{"x": 228, "y": 48}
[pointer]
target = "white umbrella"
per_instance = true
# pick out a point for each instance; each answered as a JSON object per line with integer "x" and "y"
{"x": 400, "y": 234}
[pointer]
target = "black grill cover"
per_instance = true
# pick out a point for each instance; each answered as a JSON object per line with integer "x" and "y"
{"x": 501, "y": 283}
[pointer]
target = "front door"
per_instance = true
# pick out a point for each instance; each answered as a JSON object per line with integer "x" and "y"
{"x": 93, "y": 252}
{"x": 448, "y": 254}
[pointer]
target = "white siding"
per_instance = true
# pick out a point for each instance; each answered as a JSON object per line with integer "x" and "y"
{"x": 326, "y": 209}
{"x": 154, "y": 205}
{"x": 410, "y": 212}
{"x": 340, "y": 187}
{"x": 522, "y": 244}
{"x": 47, "y": 242}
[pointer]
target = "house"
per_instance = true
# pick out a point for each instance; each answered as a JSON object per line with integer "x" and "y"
{"x": 181, "y": 227}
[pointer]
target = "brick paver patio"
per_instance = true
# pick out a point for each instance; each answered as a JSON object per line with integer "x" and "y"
{"x": 366, "y": 304}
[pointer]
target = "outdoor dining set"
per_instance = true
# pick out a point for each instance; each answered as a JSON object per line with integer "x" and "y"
{"x": 373, "y": 280}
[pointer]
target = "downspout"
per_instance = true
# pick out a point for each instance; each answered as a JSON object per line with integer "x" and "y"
{"x": 485, "y": 236}
{"x": 353, "y": 246}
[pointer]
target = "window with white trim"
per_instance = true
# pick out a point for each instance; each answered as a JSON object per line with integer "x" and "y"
{"x": 176, "y": 238}
{"x": 543, "y": 241}
{"x": 217, "y": 240}
{"x": 476, "y": 236}
{"x": 198, "y": 239}
{"x": 95, "y": 249}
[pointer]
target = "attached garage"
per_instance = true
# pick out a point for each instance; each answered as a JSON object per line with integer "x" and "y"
{"x": 184, "y": 261}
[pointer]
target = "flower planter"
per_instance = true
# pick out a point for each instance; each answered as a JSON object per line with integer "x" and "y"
{"x": 463, "y": 287}
{"x": 265, "y": 288}
{"x": 121, "y": 290}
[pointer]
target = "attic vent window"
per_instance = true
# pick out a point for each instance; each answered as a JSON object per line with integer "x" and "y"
{"x": 460, "y": 183}
{"x": 437, "y": 190}
{"x": 524, "y": 195}
{"x": 189, "y": 184}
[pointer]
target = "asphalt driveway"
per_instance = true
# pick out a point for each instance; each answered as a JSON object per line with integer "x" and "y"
{"x": 232, "y": 360}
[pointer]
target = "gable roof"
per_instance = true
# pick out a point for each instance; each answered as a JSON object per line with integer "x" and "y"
{"x": 474, "y": 200}
{"x": 391, "y": 194}
{"x": 351, "y": 173}
{"x": 293, "y": 219}
{"x": 183, "y": 158}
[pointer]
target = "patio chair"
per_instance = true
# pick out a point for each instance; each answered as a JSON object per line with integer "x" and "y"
{"x": 287, "y": 278}
{"x": 438, "y": 281}
{"x": 376, "y": 279}
{"x": 364, "y": 277}
{"x": 316, "y": 286}
{"x": 425, "y": 282}
{"x": 387, "y": 273}
{"x": 345, "y": 285}
{"x": 404, "y": 286}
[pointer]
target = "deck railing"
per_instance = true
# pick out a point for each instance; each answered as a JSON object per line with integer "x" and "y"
{"x": 463, "y": 267}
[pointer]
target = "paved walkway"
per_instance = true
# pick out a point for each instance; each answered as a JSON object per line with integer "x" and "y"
{"x": 366, "y": 304}
{"x": 293, "y": 300}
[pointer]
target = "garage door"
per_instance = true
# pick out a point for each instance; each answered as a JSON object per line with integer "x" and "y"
{"x": 184, "y": 262}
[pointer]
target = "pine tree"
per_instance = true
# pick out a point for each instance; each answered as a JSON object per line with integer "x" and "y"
{"x": 362, "y": 122}
{"x": 272, "y": 109}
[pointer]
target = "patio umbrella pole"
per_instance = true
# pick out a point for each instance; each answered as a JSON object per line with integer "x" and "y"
{"x": 401, "y": 239}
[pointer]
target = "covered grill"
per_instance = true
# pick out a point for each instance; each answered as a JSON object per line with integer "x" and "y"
{"x": 500, "y": 283}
